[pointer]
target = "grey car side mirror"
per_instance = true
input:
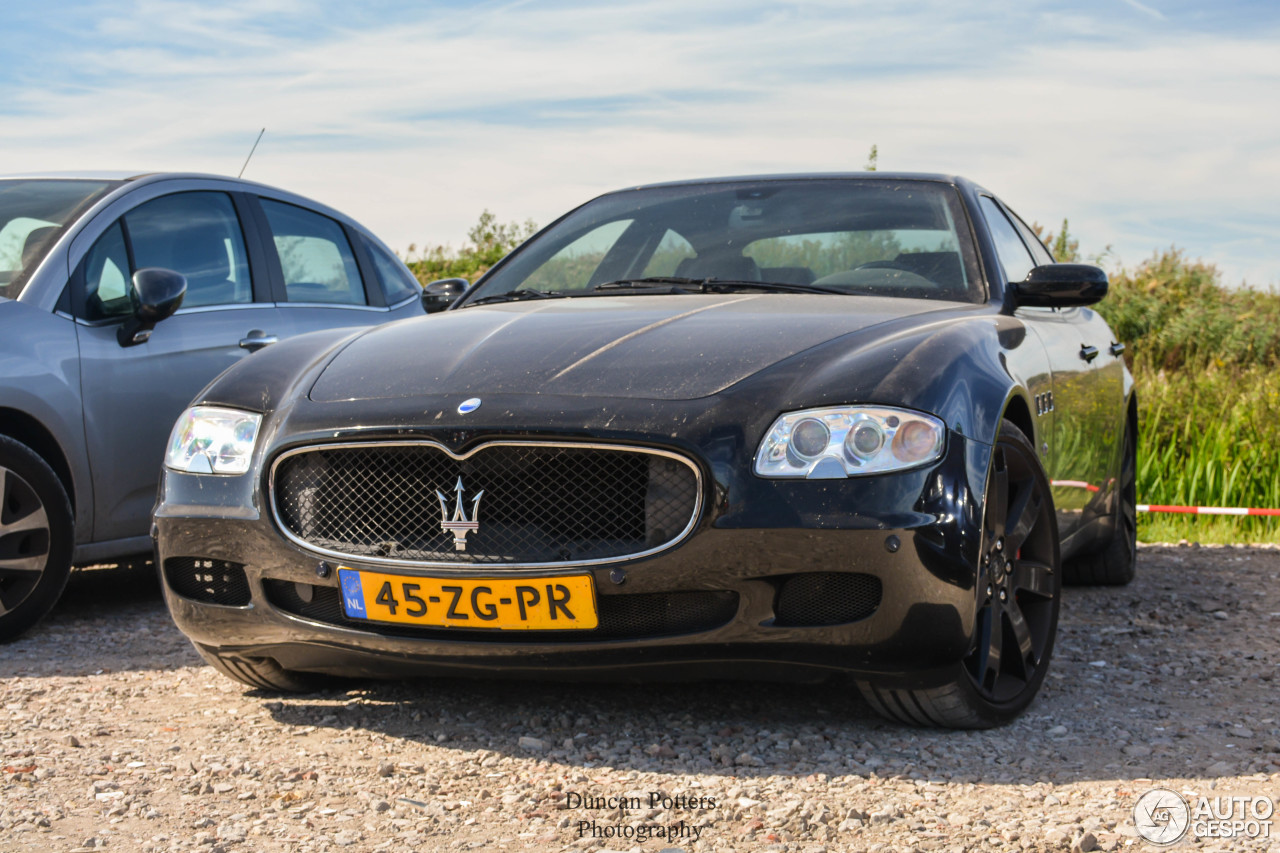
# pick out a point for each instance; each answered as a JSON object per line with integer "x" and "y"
{"x": 439, "y": 295}
{"x": 157, "y": 294}
{"x": 1060, "y": 285}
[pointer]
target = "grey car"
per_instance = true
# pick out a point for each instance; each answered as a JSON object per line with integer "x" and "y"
{"x": 121, "y": 296}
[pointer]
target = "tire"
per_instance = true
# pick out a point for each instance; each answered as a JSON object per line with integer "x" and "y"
{"x": 36, "y": 538}
{"x": 1116, "y": 562}
{"x": 261, "y": 673}
{"x": 1017, "y": 601}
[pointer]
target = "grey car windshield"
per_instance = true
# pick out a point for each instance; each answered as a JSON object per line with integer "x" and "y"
{"x": 898, "y": 238}
{"x": 33, "y": 213}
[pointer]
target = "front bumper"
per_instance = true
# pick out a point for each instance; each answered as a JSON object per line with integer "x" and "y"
{"x": 915, "y": 532}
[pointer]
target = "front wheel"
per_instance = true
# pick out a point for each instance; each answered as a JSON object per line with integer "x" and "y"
{"x": 36, "y": 533}
{"x": 1019, "y": 585}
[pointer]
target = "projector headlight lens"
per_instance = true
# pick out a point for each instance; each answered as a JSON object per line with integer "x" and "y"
{"x": 856, "y": 439}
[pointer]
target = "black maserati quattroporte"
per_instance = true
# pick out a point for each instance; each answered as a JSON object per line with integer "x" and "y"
{"x": 785, "y": 427}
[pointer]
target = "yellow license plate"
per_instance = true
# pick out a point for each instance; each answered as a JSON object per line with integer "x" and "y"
{"x": 513, "y": 604}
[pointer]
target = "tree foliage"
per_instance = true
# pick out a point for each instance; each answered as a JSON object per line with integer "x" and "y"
{"x": 487, "y": 242}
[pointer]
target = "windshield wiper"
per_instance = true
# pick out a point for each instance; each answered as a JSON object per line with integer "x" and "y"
{"x": 517, "y": 295}
{"x": 710, "y": 285}
{"x": 647, "y": 283}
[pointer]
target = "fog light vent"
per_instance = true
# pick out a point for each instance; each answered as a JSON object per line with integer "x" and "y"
{"x": 826, "y": 598}
{"x": 207, "y": 581}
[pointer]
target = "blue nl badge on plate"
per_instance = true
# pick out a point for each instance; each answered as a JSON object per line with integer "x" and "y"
{"x": 352, "y": 593}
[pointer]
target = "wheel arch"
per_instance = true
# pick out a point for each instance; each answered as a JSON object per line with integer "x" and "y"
{"x": 1018, "y": 413}
{"x": 20, "y": 426}
{"x": 1131, "y": 417}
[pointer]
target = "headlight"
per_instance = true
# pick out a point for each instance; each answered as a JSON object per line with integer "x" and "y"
{"x": 210, "y": 440}
{"x": 846, "y": 441}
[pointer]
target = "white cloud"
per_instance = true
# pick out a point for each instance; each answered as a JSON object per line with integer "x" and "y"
{"x": 415, "y": 125}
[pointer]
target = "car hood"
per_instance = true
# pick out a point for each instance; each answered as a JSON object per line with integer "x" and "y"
{"x": 650, "y": 347}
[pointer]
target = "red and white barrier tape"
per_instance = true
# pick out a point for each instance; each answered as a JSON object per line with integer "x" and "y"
{"x": 1186, "y": 510}
{"x": 1208, "y": 510}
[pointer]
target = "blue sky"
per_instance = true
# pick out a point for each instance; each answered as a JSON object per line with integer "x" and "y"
{"x": 1147, "y": 122}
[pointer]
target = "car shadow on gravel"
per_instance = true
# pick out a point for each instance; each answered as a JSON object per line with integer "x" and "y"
{"x": 115, "y": 610}
{"x": 1173, "y": 676}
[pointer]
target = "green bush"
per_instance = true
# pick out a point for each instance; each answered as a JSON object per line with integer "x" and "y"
{"x": 488, "y": 241}
{"x": 1204, "y": 360}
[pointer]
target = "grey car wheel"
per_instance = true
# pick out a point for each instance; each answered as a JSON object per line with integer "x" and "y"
{"x": 35, "y": 538}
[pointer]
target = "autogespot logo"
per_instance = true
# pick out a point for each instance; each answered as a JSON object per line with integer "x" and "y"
{"x": 1161, "y": 816}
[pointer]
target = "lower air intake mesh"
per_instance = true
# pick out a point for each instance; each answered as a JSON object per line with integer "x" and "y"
{"x": 207, "y": 581}
{"x": 826, "y": 598}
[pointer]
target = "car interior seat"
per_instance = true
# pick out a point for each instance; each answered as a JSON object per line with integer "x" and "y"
{"x": 722, "y": 265}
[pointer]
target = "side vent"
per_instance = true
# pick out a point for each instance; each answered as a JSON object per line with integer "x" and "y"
{"x": 207, "y": 581}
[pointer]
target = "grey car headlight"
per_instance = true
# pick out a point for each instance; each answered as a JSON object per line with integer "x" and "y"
{"x": 212, "y": 440}
{"x": 848, "y": 441}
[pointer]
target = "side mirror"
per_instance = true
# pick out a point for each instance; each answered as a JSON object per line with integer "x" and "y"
{"x": 157, "y": 293}
{"x": 1060, "y": 285}
{"x": 439, "y": 295}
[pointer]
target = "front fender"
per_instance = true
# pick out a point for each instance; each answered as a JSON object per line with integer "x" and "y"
{"x": 40, "y": 370}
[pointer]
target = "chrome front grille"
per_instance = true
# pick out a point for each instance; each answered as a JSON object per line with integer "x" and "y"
{"x": 542, "y": 503}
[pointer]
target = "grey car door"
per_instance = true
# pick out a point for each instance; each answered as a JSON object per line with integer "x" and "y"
{"x": 133, "y": 394}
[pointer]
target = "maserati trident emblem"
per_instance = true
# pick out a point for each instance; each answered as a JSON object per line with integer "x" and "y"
{"x": 459, "y": 525}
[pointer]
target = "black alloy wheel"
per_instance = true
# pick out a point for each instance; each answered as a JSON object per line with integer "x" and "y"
{"x": 1018, "y": 583}
{"x": 1017, "y": 597}
{"x": 35, "y": 538}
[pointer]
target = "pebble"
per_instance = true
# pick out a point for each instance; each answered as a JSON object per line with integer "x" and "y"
{"x": 532, "y": 744}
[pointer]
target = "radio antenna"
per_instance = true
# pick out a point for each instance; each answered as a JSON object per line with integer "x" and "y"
{"x": 251, "y": 150}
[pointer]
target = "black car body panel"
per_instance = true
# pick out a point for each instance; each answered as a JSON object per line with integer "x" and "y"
{"x": 703, "y": 376}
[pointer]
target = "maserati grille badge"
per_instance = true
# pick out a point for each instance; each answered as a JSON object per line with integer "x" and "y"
{"x": 469, "y": 405}
{"x": 459, "y": 525}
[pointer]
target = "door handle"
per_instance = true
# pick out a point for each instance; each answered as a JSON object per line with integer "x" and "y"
{"x": 256, "y": 340}
{"x": 1117, "y": 348}
{"x": 1088, "y": 353}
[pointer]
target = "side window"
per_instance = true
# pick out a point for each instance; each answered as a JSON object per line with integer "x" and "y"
{"x": 197, "y": 234}
{"x": 571, "y": 268}
{"x": 1015, "y": 259}
{"x": 106, "y": 277}
{"x": 671, "y": 250}
{"x": 1038, "y": 249}
{"x": 394, "y": 278}
{"x": 315, "y": 256}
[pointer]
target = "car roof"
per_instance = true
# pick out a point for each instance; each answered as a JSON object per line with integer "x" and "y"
{"x": 810, "y": 176}
{"x": 128, "y": 181}
{"x": 120, "y": 176}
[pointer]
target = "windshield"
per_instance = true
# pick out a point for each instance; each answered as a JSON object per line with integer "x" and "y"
{"x": 32, "y": 216}
{"x": 852, "y": 236}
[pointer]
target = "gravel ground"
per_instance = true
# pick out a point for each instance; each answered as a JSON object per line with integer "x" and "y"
{"x": 116, "y": 735}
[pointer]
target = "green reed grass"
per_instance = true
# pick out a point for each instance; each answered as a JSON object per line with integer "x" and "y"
{"x": 1206, "y": 360}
